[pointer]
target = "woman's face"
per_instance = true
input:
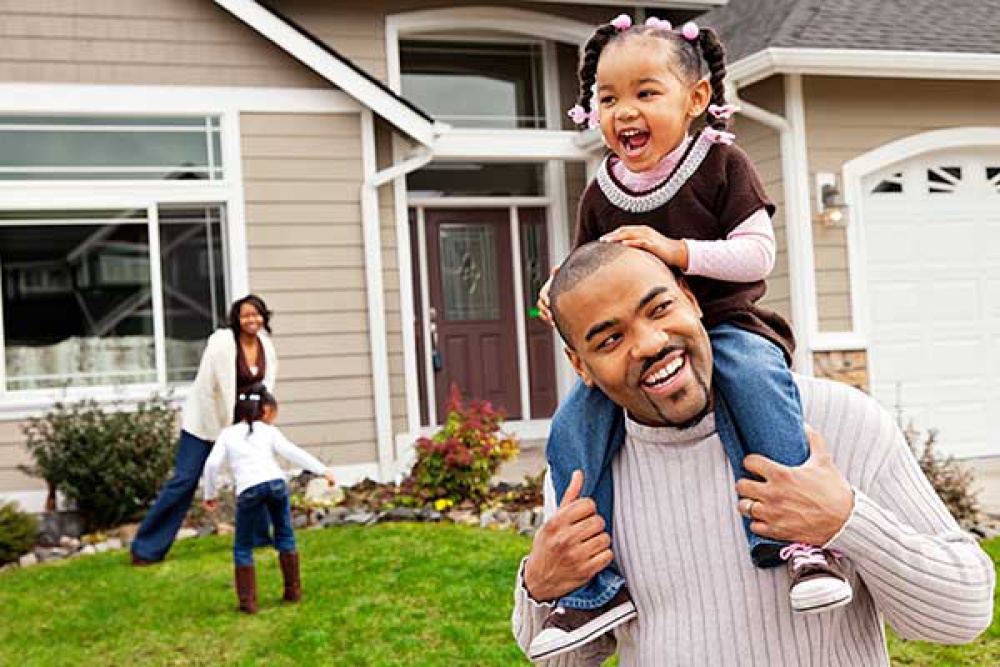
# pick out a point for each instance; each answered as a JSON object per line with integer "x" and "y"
{"x": 251, "y": 320}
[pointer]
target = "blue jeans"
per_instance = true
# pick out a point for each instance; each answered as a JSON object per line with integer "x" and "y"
{"x": 160, "y": 525}
{"x": 267, "y": 499}
{"x": 757, "y": 411}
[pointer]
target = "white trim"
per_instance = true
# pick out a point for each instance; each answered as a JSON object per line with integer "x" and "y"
{"x": 425, "y": 306}
{"x": 631, "y": 5}
{"x": 798, "y": 226}
{"x": 238, "y": 278}
{"x": 840, "y": 341}
{"x": 477, "y": 202}
{"x": 855, "y": 170}
{"x": 559, "y": 247}
{"x": 495, "y": 19}
{"x": 866, "y": 63}
{"x": 377, "y": 334}
{"x": 156, "y": 286}
{"x": 499, "y": 145}
{"x": 521, "y": 329}
{"x": 71, "y": 99}
{"x": 331, "y": 68}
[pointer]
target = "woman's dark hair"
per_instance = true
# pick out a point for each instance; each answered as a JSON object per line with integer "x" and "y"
{"x": 696, "y": 59}
{"x": 256, "y": 302}
{"x": 251, "y": 403}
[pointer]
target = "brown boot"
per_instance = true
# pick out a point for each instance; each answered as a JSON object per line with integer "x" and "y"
{"x": 290, "y": 573}
{"x": 246, "y": 588}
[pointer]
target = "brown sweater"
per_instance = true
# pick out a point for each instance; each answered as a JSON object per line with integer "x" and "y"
{"x": 711, "y": 191}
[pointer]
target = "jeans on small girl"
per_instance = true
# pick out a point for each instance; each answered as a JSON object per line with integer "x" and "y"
{"x": 758, "y": 411}
{"x": 268, "y": 499}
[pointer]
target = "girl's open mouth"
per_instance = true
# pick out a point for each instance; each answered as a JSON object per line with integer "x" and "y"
{"x": 633, "y": 141}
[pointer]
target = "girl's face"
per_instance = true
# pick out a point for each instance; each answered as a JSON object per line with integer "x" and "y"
{"x": 645, "y": 104}
{"x": 251, "y": 320}
{"x": 269, "y": 414}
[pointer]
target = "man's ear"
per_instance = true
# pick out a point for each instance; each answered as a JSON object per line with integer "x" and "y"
{"x": 690, "y": 297}
{"x": 699, "y": 98}
{"x": 578, "y": 366}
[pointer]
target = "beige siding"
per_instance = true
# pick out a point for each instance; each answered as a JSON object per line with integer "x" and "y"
{"x": 13, "y": 454}
{"x": 306, "y": 257}
{"x": 763, "y": 145}
{"x": 847, "y": 117}
{"x": 166, "y": 42}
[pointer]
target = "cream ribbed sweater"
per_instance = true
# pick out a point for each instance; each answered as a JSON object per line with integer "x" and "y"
{"x": 680, "y": 541}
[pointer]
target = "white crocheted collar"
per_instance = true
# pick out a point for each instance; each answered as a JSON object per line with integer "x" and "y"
{"x": 645, "y": 202}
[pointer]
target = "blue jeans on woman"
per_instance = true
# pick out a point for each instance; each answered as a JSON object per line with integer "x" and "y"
{"x": 160, "y": 525}
{"x": 757, "y": 411}
{"x": 267, "y": 499}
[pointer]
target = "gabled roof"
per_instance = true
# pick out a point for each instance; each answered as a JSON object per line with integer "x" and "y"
{"x": 950, "y": 26}
{"x": 335, "y": 68}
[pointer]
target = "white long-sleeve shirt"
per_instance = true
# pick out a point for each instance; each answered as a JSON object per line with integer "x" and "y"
{"x": 252, "y": 457}
{"x": 679, "y": 540}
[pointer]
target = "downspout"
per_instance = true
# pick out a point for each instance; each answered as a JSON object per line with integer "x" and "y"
{"x": 377, "y": 333}
{"x": 798, "y": 212}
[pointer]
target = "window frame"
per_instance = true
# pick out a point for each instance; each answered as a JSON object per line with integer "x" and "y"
{"x": 146, "y": 195}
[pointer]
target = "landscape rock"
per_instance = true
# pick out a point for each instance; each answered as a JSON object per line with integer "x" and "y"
{"x": 27, "y": 560}
{"x": 186, "y": 533}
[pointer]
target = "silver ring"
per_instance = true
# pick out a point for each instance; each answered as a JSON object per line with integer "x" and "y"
{"x": 750, "y": 508}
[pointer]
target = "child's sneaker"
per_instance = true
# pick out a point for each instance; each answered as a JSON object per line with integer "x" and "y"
{"x": 568, "y": 629}
{"x": 818, "y": 583}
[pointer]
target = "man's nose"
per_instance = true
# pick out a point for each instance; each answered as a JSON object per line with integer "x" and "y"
{"x": 649, "y": 342}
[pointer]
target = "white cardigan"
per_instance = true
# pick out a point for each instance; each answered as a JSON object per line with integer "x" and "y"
{"x": 212, "y": 400}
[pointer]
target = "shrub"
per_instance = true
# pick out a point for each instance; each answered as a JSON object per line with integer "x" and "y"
{"x": 952, "y": 482}
{"x": 458, "y": 462}
{"x": 17, "y": 532}
{"x": 108, "y": 461}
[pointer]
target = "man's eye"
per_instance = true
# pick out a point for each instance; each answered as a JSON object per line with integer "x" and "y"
{"x": 660, "y": 308}
{"x": 609, "y": 342}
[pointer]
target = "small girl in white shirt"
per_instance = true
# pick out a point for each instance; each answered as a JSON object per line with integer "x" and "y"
{"x": 251, "y": 444}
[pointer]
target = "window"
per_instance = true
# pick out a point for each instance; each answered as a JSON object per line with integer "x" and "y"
{"x": 485, "y": 84}
{"x": 110, "y": 148}
{"x": 477, "y": 179}
{"x": 77, "y": 295}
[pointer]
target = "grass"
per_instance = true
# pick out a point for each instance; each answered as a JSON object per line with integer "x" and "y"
{"x": 398, "y": 594}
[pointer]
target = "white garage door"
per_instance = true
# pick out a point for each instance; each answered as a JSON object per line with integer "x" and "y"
{"x": 932, "y": 255}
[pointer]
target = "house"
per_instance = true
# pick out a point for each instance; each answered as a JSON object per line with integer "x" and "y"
{"x": 396, "y": 177}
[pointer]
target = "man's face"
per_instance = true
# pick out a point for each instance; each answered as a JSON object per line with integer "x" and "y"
{"x": 637, "y": 334}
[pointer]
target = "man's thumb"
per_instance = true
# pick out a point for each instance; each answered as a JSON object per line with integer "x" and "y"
{"x": 573, "y": 490}
{"x": 817, "y": 445}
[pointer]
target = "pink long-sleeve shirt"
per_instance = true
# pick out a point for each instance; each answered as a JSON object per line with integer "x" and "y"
{"x": 745, "y": 255}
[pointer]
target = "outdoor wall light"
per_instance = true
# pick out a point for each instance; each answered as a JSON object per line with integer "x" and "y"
{"x": 830, "y": 207}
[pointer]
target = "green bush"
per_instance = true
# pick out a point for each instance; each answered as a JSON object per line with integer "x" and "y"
{"x": 458, "y": 462}
{"x": 952, "y": 482}
{"x": 17, "y": 532}
{"x": 108, "y": 461}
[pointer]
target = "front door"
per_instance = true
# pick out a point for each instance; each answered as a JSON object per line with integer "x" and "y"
{"x": 472, "y": 313}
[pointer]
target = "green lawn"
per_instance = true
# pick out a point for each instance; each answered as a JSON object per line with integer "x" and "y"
{"x": 401, "y": 594}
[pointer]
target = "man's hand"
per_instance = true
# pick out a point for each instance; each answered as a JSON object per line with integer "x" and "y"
{"x": 808, "y": 504}
{"x": 569, "y": 549}
{"x": 671, "y": 251}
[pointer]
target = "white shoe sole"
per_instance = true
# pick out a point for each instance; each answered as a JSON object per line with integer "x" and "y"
{"x": 814, "y": 600}
{"x": 583, "y": 635}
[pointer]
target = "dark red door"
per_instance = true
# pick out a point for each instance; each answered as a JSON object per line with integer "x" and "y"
{"x": 472, "y": 307}
{"x": 535, "y": 271}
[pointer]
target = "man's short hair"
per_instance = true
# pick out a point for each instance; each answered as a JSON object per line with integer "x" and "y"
{"x": 580, "y": 265}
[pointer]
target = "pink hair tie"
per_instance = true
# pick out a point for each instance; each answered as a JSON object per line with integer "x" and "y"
{"x": 658, "y": 24}
{"x": 578, "y": 114}
{"x": 719, "y": 137}
{"x": 690, "y": 31}
{"x": 725, "y": 112}
{"x": 593, "y": 119}
{"x": 622, "y": 22}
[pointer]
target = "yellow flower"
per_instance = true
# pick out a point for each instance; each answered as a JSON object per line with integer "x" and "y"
{"x": 441, "y": 504}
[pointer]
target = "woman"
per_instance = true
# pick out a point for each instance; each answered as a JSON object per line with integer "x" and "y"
{"x": 235, "y": 359}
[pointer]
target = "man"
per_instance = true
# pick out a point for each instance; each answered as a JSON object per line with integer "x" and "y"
{"x": 677, "y": 517}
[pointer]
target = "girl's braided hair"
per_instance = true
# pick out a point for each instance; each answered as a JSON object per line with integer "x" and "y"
{"x": 693, "y": 58}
